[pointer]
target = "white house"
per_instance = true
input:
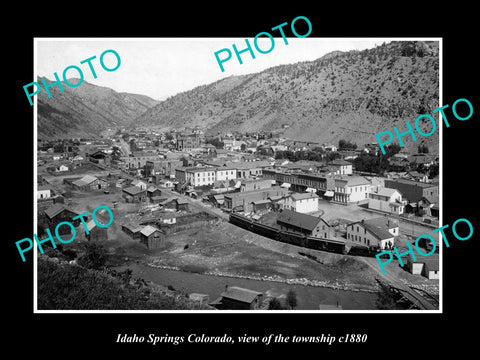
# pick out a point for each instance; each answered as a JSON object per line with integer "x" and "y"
{"x": 166, "y": 183}
{"x": 139, "y": 183}
{"x": 374, "y": 233}
{"x": 302, "y": 203}
{"x": 43, "y": 192}
{"x": 387, "y": 200}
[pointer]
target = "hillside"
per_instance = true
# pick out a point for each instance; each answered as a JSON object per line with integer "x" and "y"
{"x": 350, "y": 95}
{"x": 86, "y": 110}
{"x": 64, "y": 286}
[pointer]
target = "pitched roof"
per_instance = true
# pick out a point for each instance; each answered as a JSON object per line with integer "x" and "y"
{"x": 240, "y": 294}
{"x": 56, "y": 209}
{"x": 378, "y": 227}
{"x": 148, "y": 230}
{"x": 297, "y": 219}
{"x": 133, "y": 190}
{"x": 302, "y": 196}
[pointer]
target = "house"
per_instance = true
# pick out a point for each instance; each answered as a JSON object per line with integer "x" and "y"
{"x": 289, "y": 220}
{"x": 237, "y": 298}
{"x": 416, "y": 176}
{"x": 244, "y": 200}
{"x": 132, "y": 230}
{"x": 95, "y": 233}
{"x": 44, "y": 192}
{"x": 139, "y": 183}
{"x": 351, "y": 189}
{"x": 100, "y": 157}
{"x": 387, "y": 200}
{"x": 153, "y": 191}
{"x": 426, "y": 266}
{"x": 377, "y": 233}
{"x": 255, "y": 184}
{"x": 58, "y": 213}
{"x": 62, "y": 168}
{"x": 134, "y": 194}
{"x": 152, "y": 237}
{"x": 89, "y": 183}
{"x": 300, "y": 202}
{"x": 342, "y": 167}
{"x": 166, "y": 183}
{"x": 411, "y": 190}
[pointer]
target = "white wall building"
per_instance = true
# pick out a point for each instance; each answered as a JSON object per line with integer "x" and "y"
{"x": 351, "y": 189}
{"x": 373, "y": 233}
{"x": 387, "y": 200}
{"x": 302, "y": 203}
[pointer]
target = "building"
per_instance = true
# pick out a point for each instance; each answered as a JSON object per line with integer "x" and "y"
{"x": 95, "y": 233}
{"x": 387, "y": 200}
{"x": 132, "y": 230}
{"x": 413, "y": 191}
{"x": 152, "y": 237}
{"x": 302, "y": 203}
{"x": 58, "y": 213}
{"x": 255, "y": 184}
{"x": 342, "y": 167}
{"x": 139, "y": 183}
{"x": 377, "y": 233}
{"x": 243, "y": 201}
{"x": 43, "y": 192}
{"x": 426, "y": 266}
{"x": 289, "y": 220}
{"x": 196, "y": 176}
{"x": 153, "y": 192}
{"x": 134, "y": 194}
{"x": 225, "y": 173}
{"x": 187, "y": 142}
{"x": 351, "y": 189}
{"x": 164, "y": 167}
{"x": 138, "y": 160}
{"x": 237, "y": 298}
{"x": 90, "y": 183}
{"x": 301, "y": 182}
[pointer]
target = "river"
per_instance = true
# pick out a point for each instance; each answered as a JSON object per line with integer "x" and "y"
{"x": 309, "y": 297}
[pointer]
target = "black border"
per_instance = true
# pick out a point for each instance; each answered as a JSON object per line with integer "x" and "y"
{"x": 387, "y": 333}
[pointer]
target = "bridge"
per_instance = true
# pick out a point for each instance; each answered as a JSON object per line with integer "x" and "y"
{"x": 410, "y": 294}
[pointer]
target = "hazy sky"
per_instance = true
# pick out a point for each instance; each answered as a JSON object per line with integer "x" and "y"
{"x": 161, "y": 67}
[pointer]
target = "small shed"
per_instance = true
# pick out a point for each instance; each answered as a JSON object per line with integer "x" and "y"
{"x": 132, "y": 230}
{"x": 152, "y": 237}
{"x": 96, "y": 233}
{"x": 237, "y": 298}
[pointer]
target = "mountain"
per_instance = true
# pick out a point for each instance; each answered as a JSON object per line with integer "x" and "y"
{"x": 342, "y": 95}
{"x": 86, "y": 110}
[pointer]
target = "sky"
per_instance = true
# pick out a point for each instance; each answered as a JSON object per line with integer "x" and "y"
{"x": 162, "y": 67}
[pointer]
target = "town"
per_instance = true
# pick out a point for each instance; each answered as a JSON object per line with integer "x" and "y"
{"x": 255, "y": 207}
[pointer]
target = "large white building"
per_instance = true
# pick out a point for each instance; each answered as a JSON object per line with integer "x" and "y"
{"x": 196, "y": 176}
{"x": 374, "y": 233}
{"x": 351, "y": 189}
{"x": 387, "y": 200}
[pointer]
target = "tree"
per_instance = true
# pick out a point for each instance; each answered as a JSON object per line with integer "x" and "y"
{"x": 116, "y": 153}
{"x": 94, "y": 257}
{"x": 275, "y": 304}
{"x": 385, "y": 300}
{"x": 292, "y": 299}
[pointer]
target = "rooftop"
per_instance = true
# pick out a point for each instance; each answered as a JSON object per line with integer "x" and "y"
{"x": 297, "y": 219}
{"x": 133, "y": 190}
{"x": 240, "y": 294}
